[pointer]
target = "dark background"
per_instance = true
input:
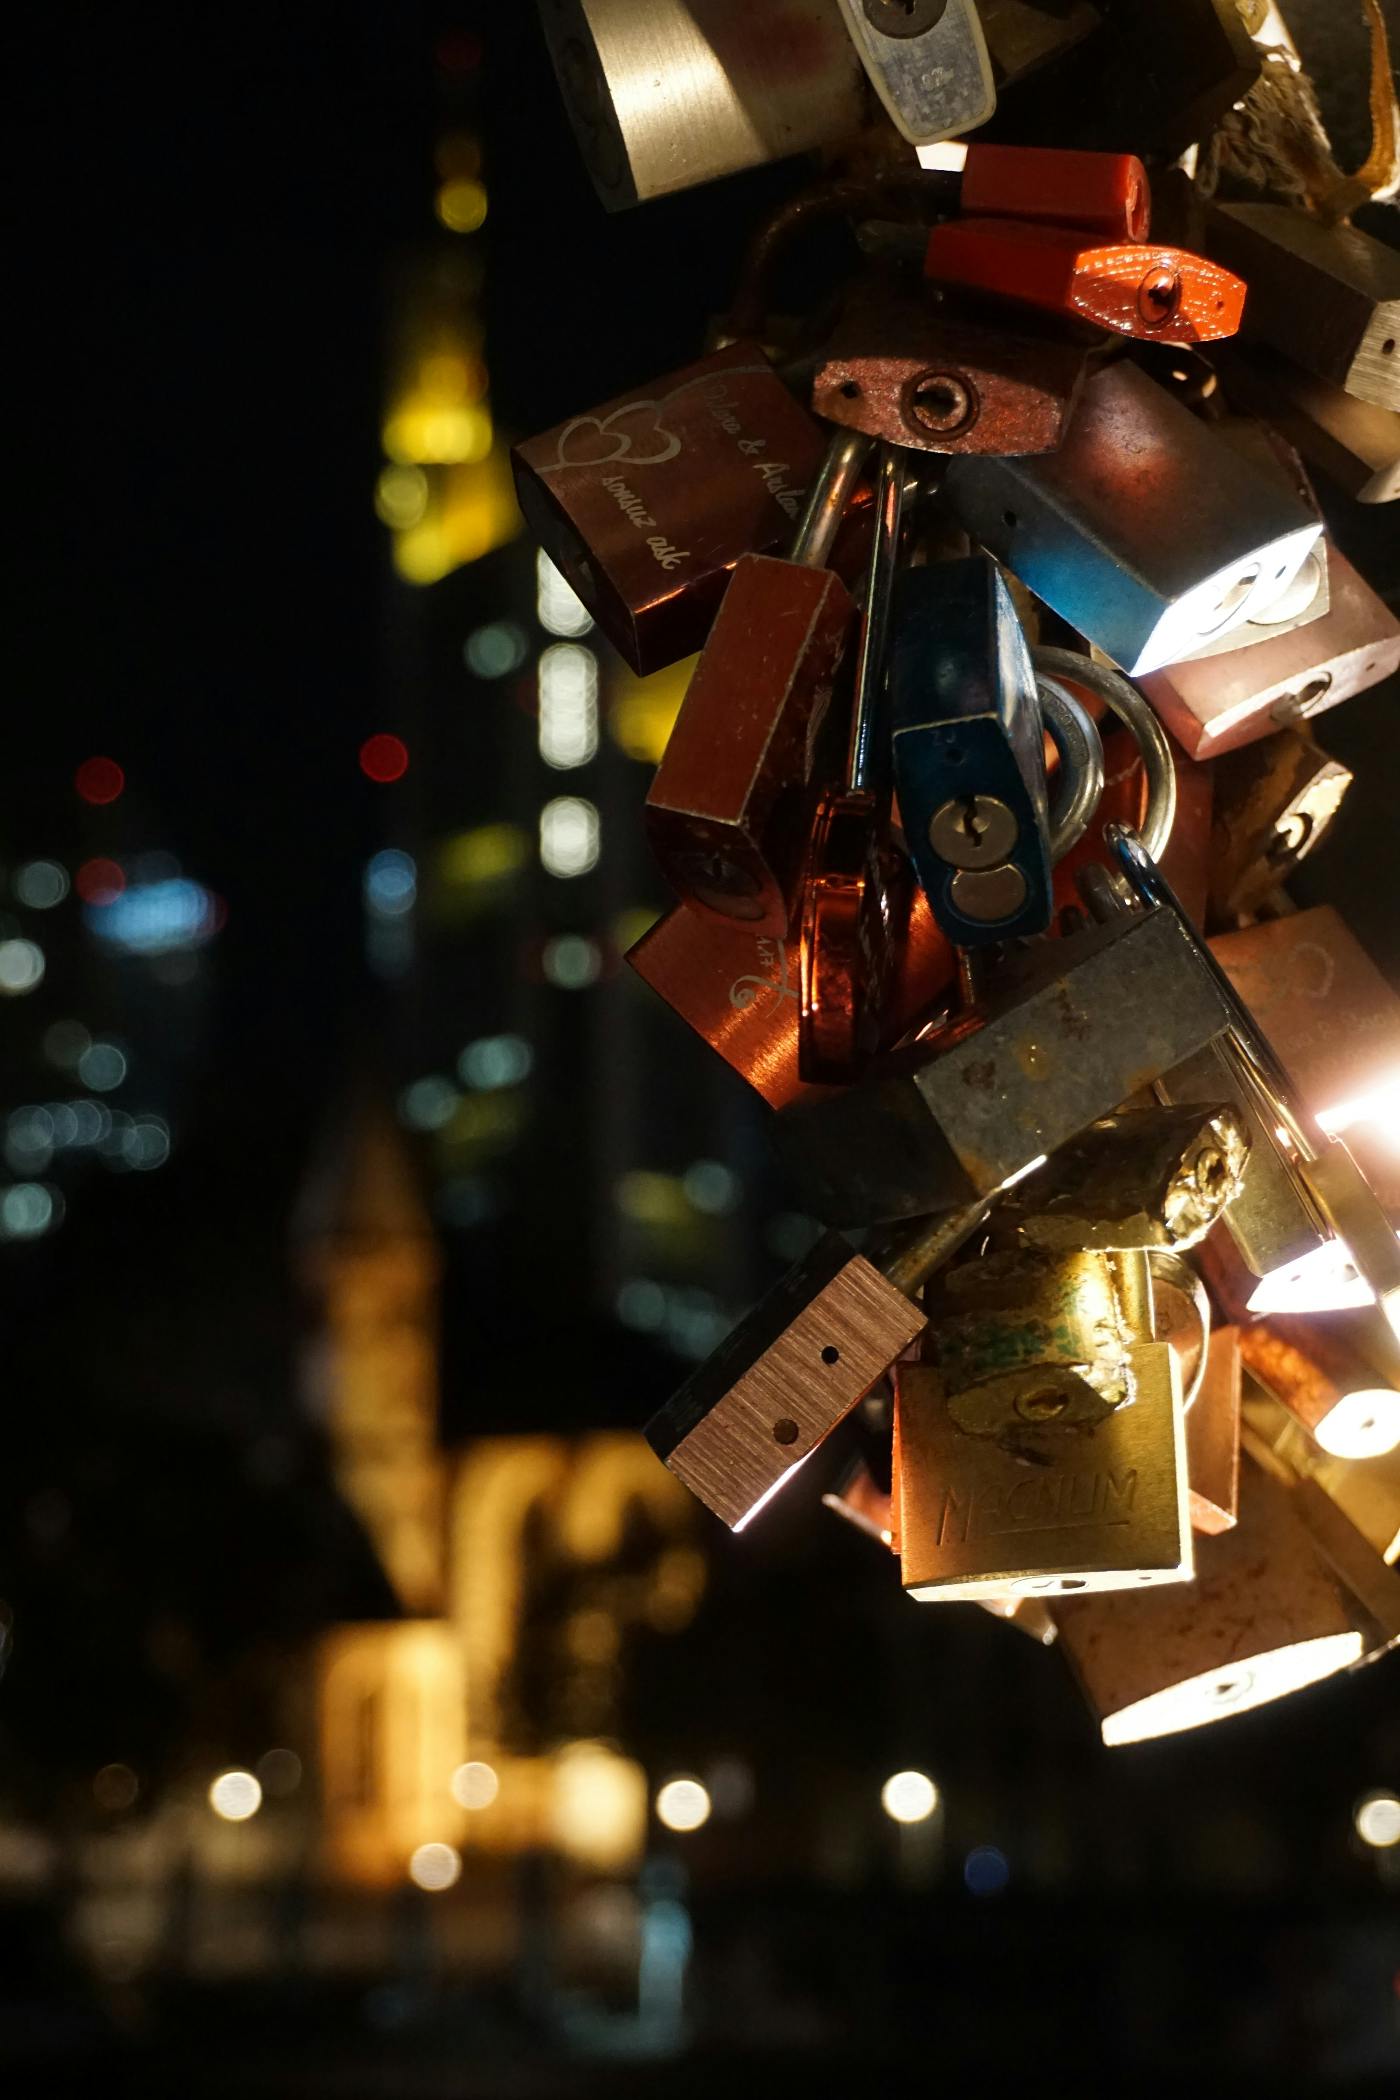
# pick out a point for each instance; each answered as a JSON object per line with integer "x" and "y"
{"x": 211, "y": 208}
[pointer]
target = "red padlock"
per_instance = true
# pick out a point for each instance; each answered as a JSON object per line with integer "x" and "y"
{"x": 1158, "y": 294}
{"x": 1105, "y": 193}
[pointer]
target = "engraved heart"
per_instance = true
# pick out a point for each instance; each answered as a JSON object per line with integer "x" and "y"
{"x": 631, "y": 432}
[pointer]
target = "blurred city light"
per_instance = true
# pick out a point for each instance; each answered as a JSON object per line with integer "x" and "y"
{"x": 909, "y": 1797}
{"x": 558, "y": 607}
{"x": 99, "y": 780}
{"x": 682, "y": 1804}
{"x": 279, "y": 1771}
{"x": 571, "y": 962}
{"x": 29, "y": 1209}
{"x": 985, "y": 1871}
{"x": 495, "y": 1061}
{"x": 41, "y": 884}
{"x": 569, "y": 836}
{"x": 391, "y": 883}
{"x": 461, "y": 204}
{"x": 1377, "y": 1820}
{"x": 598, "y": 1807}
{"x": 712, "y": 1187}
{"x": 383, "y": 758}
{"x": 152, "y": 918}
{"x": 474, "y": 865}
{"x": 429, "y": 1103}
{"x": 102, "y": 1066}
{"x": 568, "y": 706}
{"x": 235, "y": 1796}
{"x": 401, "y": 497}
{"x": 115, "y": 1788}
{"x": 435, "y": 1868}
{"x": 496, "y": 650}
{"x": 21, "y": 967}
{"x": 475, "y": 1785}
{"x": 146, "y": 1145}
{"x": 100, "y": 881}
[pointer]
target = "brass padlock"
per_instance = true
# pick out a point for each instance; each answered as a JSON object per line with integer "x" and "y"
{"x": 1041, "y": 1509}
{"x": 1213, "y": 1436}
{"x": 1263, "y": 1618}
{"x": 1275, "y": 802}
{"x": 795, "y": 1367}
{"x": 966, "y": 1113}
{"x": 646, "y": 504}
{"x": 1145, "y": 1177}
{"x": 1365, "y": 1490}
{"x": 1095, "y": 529}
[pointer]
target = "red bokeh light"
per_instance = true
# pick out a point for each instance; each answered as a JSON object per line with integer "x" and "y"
{"x": 99, "y": 780}
{"x": 383, "y": 758}
{"x": 99, "y": 881}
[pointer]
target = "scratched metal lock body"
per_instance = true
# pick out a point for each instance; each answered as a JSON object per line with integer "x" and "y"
{"x": 1216, "y": 704}
{"x": 966, "y": 1113}
{"x": 969, "y": 757}
{"x": 730, "y": 807}
{"x": 647, "y": 503}
{"x": 1264, "y": 1617}
{"x": 927, "y": 61}
{"x": 898, "y": 368}
{"x": 1326, "y": 296}
{"x": 1098, "y": 529}
{"x": 1043, "y": 1510}
{"x": 1150, "y": 1177}
{"x": 1275, "y": 802}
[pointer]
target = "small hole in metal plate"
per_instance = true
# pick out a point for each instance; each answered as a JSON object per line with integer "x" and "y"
{"x": 831, "y": 1354}
{"x": 850, "y": 390}
{"x": 785, "y": 1430}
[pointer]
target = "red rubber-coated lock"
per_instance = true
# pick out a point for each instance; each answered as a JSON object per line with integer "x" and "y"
{"x": 1106, "y": 193}
{"x": 1160, "y": 294}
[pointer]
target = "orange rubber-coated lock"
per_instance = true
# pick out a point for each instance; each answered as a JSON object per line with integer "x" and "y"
{"x": 1159, "y": 294}
{"x": 1105, "y": 193}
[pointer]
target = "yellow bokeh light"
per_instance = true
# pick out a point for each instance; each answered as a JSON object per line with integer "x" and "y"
{"x": 401, "y": 497}
{"x": 649, "y": 1198}
{"x": 486, "y": 854}
{"x": 642, "y": 711}
{"x": 682, "y": 1804}
{"x": 235, "y": 1796}
{"x": 422, "y": 431}
{"x": 909, "y": 1797}
{"x": 471, "y": 511}
{"x": 461, "y": 204}
{"x": 435, "y": 1868}
{"x": 598, "y": 1806}
{"x": 457, "y": 153}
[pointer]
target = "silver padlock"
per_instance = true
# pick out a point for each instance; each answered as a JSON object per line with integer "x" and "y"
{"x": 928, "y": 63}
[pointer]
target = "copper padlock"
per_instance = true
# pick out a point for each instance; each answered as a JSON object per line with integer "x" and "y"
{"x": 1148, "y": 290}
{"x": 1213, "y": 1436}
{"x": 741, "y": 992}
{"x": 1263, "y": 1618}
{"x": 916, "y": 375}
{"x": 646, "y": 503}
{"x": 1339, "y": 1375}
{"x": 729, "y": 810}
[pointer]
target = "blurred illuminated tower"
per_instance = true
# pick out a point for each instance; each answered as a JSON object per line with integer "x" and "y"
{"x": 595, "y": 1167}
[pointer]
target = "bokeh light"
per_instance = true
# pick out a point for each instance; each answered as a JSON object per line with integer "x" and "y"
{"x": 495, "y": 1061}
{"x": 235, "y": 1796}
{"x": 435, "y": 1868}
{"x": 100, "y": 881}
{"x": 391, "y": 883}
{"x": 383, "y": 758}
{"x": 909, "y": 1797}
{"x": 571, "y": 961}
{"x": 475, "y": 1784}
{"x": 496, "y": 650}
{"x": 985, "y": 1871}
{"x": 21, "y": 967}
{"x": 99, "y": 780}
{"x": 41, "y": 884}
{"x": 683, "y": 1804}
{"x": 279, "y": 1771}
{"x": 115, "y": 1788}
{"x": 461, "y": 204}
{"x": 1377, "y": 1820}
{"x": 102, "y": 1066}
{"x": 569, "y": 836}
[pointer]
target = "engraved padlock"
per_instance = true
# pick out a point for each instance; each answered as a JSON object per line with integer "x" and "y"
{"x": 647, "y": 503}
{"x": 1100, "y": 529}
{"x": 1263, "y": 1618}
{"x": 1148, "y": 290}
{"x": 927, "y": 61}
{"x": 794, "y": 1368}
{"x": 741, "y": 992}
{"x": 969, "y": 752}
{"x": 730, "y": 807}
{"x": 1042, "y": 1509}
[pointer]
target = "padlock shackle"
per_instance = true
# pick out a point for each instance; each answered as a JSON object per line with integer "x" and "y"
{"x": 829, "y": 498}
{"x": 1125, "y": 701}
{"x": 873, "y": 648}
{"x": 1075, "y": 735}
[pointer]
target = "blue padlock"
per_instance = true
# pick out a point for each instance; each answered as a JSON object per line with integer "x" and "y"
{"x": 969, "y": 752}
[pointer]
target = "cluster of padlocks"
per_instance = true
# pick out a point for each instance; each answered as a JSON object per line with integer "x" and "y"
{"x": 1012, "y": 598}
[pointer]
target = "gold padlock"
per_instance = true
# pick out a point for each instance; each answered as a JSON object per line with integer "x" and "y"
{"x": 1043, "y": 1508}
